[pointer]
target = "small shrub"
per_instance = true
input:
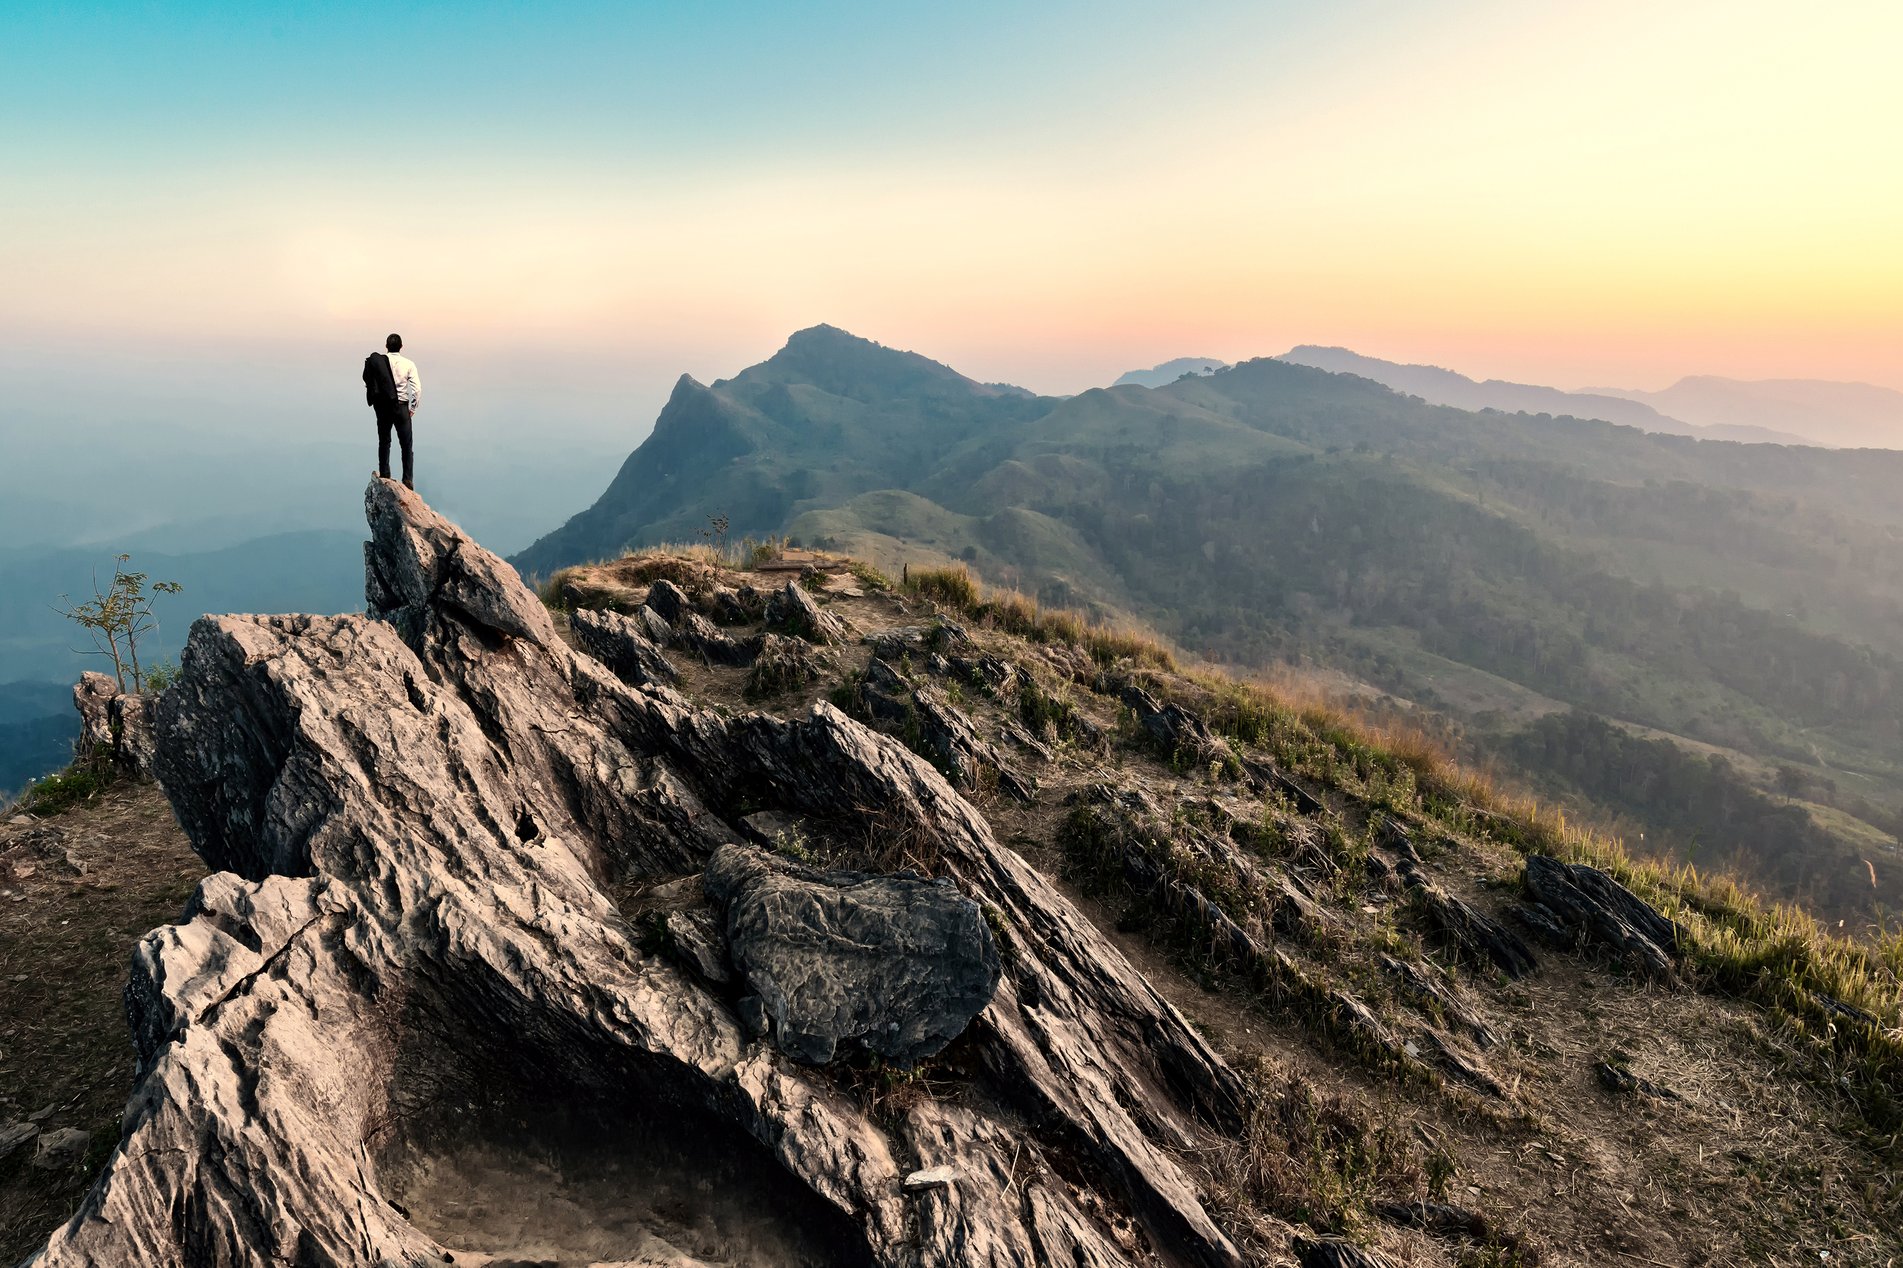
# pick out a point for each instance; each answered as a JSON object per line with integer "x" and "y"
{"x": 1311, "y": 1158}
{"x": 791, "y": 843}
{"x": 59, "y": 792}
{"x": 161, "y": 676}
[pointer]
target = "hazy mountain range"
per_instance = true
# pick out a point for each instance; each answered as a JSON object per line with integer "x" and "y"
{"x": 1846, "y": 415}
{"x": 1170, "y": 371}
{"x": 1445, "y": 387}
{"x": 1512, "y": 576}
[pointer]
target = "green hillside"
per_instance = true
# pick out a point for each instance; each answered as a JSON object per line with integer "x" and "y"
{"x": 1485, "y": 569}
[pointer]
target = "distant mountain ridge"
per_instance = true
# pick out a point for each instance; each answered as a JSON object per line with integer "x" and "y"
{"x": 1846, "y": 415}
{"x": 1170, "y": 371}
{"x": 1439, "y": 386}
{"x": 1490, "y": 568}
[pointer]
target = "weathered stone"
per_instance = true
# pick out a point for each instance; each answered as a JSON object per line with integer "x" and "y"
{"x": 939, "y": 730}
{"x": 114, "y": 726}
{"x": 1457, "y": 924}
{"x": 15, "y": 1138}
{"x": 61, "y": 1149}
{"x": 1605, "y": 913}
{"x": 897, "y": 965}
{"x": 93, "y": 695}
{"x": 420, "y": 814}
{"x": 714, "y": 645}
{"x": 929, "y": 1178}
{"x": 695, "y": 941}
{"x": 669, "y": 601}
{"x": 751, "y": 1010}
{"x": 735, "y": 607}
{"x": 1428, "y": 983}
{"x": 1617, "y": 1078}
{"x": 792, "y": 611}
{"x": 622, "y": 644}
{"x": 1439, "y": 1218}
{"x": 1329, "y": 1253}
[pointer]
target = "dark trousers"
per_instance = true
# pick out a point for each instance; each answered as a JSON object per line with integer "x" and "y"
{"x": 396, "y": 415}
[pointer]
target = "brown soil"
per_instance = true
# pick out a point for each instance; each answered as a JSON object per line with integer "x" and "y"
{"x": 77, "y": 891}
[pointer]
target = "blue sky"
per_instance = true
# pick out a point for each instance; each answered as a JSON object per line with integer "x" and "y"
{"x": 1616, "y": 193}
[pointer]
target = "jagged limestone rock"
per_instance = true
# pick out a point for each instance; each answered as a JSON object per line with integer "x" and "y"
{"x": 1602, "y": 912}
{"x": 93, "y": 696}
{"x": 420, "y": 814}
{"x": 897, "y": 965}
{"x": 792, "y": 611}
{"x": 621, "y": 643}
{"x": 114, "y": 726}
{"x": 669, "y": 601}
{"x": 941, "y": 730}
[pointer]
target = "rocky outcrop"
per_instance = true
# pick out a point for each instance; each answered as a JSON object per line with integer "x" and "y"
{"x": 114, "y": 726}
{"x": 410, "y": 952}
{"x": 1457, "y": 924}
{"x": 622, "y": 644}
{"x": 939, "y": 730}
{"x": 897, "y": 965}
{"x": 1589, "y": 907}
{"x": 792, "y": 611}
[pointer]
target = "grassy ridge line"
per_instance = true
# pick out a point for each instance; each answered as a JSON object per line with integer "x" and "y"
{"x": 1813, "y": 982}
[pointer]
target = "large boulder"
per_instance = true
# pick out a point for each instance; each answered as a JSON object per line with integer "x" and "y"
{"x": 898, "y": 965}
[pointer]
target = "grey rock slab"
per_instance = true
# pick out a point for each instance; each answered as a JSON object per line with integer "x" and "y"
{"x": 1606, "y": 914}
{"x": 929, "y": 1178}
{"x": 897, "y": 965}
{"x": 15, "y": 1138}
{"x": 61, "y": 1149}
{"x": 792, "y": 611}
{"x": 622, "y": 644}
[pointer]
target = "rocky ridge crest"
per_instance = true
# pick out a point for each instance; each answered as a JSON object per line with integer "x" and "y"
{"x": 418, "y": 816}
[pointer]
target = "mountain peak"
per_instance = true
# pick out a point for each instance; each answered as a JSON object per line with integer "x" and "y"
{"x": 844, "y": 364}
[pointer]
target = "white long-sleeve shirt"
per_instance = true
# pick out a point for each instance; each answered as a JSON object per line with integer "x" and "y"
{"x": 409, "y": 384}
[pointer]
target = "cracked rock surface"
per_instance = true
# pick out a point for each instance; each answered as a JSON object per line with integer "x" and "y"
{"x": 407, "y": 982}
{"x": 896, "y": 964}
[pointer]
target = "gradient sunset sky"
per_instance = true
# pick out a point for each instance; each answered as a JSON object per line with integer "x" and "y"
{"x": 1605, "y": 193}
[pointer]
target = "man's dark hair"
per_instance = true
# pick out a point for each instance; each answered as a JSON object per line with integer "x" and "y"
{"x": 394, "y": 343}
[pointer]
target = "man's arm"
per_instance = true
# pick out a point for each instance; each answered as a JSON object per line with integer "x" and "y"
{"x": 416, "y": 387}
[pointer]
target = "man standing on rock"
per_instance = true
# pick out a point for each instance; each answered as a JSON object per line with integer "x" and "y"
{"x": 392, "y": 387}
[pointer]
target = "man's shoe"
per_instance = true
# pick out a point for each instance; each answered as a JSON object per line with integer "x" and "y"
{"x": 410, "y": 485}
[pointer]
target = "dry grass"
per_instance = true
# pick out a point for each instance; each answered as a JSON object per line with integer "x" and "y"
{"x": 1020, "y": 615}
{"x": 621, "y": 584}
{"x": 1776, "y": 955}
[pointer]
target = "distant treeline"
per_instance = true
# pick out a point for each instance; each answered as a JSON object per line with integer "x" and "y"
{"x": 1700, "y": 808}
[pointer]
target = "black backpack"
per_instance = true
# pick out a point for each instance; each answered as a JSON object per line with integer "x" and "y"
{"x": 379, "y": 382}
